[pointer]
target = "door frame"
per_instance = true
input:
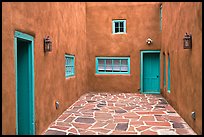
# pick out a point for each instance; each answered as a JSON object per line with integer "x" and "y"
{"x": 30, "y": 38}
{"x": 142, "y": 52}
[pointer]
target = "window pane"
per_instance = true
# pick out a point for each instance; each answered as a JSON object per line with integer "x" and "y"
{"x": 124, "y": 68}
{"x": 108, "y": 68}
{"x": 69, "y": 70}
{"x": 109, "y": 65}
{"x": 101, "y": 67}
{"x": 109, "y": 62}
{"x": 66, "y": 69}
{"x": 116, "y": 30}
{"x": 116, "y": 62}
{"x": 69, "y": 61}
{"x": 121, "y": 24}
{"x": 121, "y": 30}
{"x": 116, "y": 68}
{"x": 72, "y": 61}
{"x": 116, "y": 65}
{"x": 116, "y": 24}
{"x": 101, "y": 61}
{"x": 124, "y": 62}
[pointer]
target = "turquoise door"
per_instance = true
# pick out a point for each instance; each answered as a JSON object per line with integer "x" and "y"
{"x": 151, "y": 73}
{"x": 24, "y": 85}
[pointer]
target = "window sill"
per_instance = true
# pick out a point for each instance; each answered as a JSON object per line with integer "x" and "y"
{"x": 112, "y": 75}
{"x": 119, "y": 33}
{"x": 70, "y": 77}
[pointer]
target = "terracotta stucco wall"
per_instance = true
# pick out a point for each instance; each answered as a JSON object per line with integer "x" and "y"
{"x": 66, "y": 25}
{"x": 85, "y": 30}
{"x": 142, "y": 22}
{"x": 186, "y": 64}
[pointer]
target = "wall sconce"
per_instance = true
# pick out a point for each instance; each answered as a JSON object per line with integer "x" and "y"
{"x": 149, "y": 41}
{"x": 187, "y": 41}
{"x": 47, "y": 44}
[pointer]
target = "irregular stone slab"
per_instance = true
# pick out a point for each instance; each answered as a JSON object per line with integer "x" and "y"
{"x": 148, "y": 132}
{"x": 147, "y": 118}
{"x": 85, "y": 120}
{"x": 54, "y": 132}
{"x": 103, "y": 115}
{"x": 122, "y": 126}
{"x": 159, "y": 106}
{"x": 72, "y": 134}
{"x": 81, "y": 125}
{"x": 99, "y": 124}
{"x": 158, "y": 123}
{"x": 166, "y": 132}
{"x": 141, "y": 128}
{"x": 85, "y": 132}
{"x": 185, "y": 131}
{"x": 120, "y": 111}
{"x": 101, "y": 130}
{"x": 171, "y": 112}
{"x": 69, "y": 119}
{"x": 100, "y": 105}
{"x": 87, "y": 114}
{"x": 162, "y": 101}
{"x": 96, "y": 109}
{"x": 91, "y": 101}
{"x": 59, "y": 127}
{"x": 177, "y": 125}
{"x": 66, "y": 124}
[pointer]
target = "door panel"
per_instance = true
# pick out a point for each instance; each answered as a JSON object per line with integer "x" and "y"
{"x": 151, "y": 72}
{"x": 23, "y": 89}
{"x": 24, "y": 58}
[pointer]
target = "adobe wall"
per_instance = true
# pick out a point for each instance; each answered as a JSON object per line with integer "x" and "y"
{"x": 66, "y": 25}
{"x": 186, "y": 64}
{"x": 142, "y": 22}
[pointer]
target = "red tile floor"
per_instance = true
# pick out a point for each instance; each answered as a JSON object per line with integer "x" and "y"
{"x": 119, "y": 113}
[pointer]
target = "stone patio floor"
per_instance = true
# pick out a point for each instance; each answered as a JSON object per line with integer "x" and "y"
{"x": 119, "y": 113}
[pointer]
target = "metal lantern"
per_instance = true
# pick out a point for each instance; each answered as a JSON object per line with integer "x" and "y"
{"x": 187, "y": 41}
{"x": 47, "y": 44}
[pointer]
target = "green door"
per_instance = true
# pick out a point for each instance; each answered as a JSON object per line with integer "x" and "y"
{"x": 151, "y": 73}
{"x": 24, "y": 85}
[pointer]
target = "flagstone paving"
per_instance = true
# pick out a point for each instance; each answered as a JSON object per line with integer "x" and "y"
{"x": 119, "y": 113}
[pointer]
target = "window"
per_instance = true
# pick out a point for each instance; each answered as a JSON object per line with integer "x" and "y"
{"x": 69, "y": 65}
{"x": 164, "y": 70}
{"x": 112, "y": 65}
{"x": 161, "y": 17}
{"x": 119, "y": 26}
{"x": 169, "y": 74}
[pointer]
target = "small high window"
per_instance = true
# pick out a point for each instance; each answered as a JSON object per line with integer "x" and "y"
{"x": 119, "y": 26}
{"x": 69, "y": 65}
{"x": 112, "y": 65}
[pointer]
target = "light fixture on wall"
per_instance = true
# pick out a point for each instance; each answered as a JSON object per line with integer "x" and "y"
{"x": 47, "y": 44}
{"x": 149, "y": 41}
{"x": 187, "y": 41}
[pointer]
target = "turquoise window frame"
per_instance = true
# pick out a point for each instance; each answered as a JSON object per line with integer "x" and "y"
{"x": 113, "y": 58}
{"x": 113, "y": 26}
{"x": 20, "y": 35}
{"x": 72, "y": 64}
{"x": 160, "y": 17}
{"x": 164, "y": 70}
{"x": 169, "y": 74}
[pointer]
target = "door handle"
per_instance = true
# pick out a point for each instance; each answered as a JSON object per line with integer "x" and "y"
{"x": 157, "y": 76}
